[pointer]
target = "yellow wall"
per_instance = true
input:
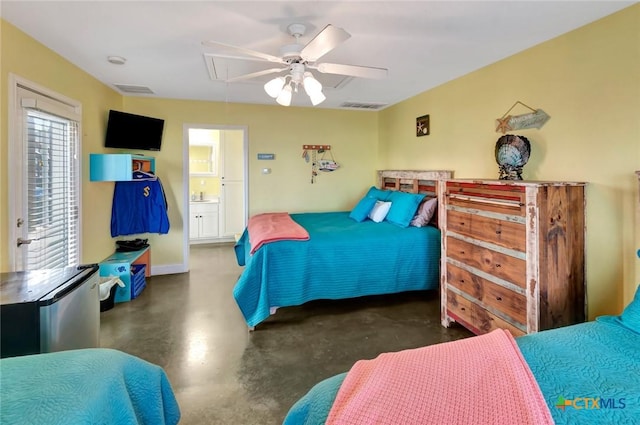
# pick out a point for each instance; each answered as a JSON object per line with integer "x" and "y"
{"x": 209, "y": 186}
{"x": 588, "y": 81}
{"x": 204, "y": 158}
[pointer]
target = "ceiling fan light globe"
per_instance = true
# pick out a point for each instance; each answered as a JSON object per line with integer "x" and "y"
{"x": 317, "y": 98}
{"x": 311, "y": 85}
{"x": 274, "y": 87}
{"x": 284, "y": 98}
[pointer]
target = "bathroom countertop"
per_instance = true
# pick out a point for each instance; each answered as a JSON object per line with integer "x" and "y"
{"x": 205, "y": 201}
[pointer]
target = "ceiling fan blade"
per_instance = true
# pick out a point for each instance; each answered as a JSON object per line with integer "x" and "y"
{"x": 256, "y": 74}
{"x": 247, "y": 52}
{"x": 326, "y": 40}
{"x": 352, "y": 70}
{"x": 233, "y": 57}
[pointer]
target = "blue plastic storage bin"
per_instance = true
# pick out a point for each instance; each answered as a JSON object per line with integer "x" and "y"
{"x": 138, "y": 280}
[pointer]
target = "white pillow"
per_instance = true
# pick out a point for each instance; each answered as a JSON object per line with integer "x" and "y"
{"x": 379, "y": 211}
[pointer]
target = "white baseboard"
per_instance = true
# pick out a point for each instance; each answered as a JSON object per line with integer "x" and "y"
{"x": 209, "y": 241}
{"x": 168, "y": 269}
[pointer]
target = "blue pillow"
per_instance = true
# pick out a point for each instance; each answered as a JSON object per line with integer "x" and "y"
{"x": 361, "y": 210}
{"x": 380, "y": 195}
{"x": 631, "y": 315}
{"x": 403, "y": 207}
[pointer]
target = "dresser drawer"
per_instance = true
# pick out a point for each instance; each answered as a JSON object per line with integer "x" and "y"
{"x": 476, "y": 318}
{"x": 502, "y": 199}
{"x": 495, "y": 263}
{"x": 489, "y": 294}
{"x": 501, "y": 232}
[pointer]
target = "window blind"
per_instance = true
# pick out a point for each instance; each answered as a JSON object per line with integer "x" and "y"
{"x": 52, "y": 190}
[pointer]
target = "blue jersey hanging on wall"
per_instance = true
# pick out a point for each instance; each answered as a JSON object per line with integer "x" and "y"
{"x": 139, "y": 206}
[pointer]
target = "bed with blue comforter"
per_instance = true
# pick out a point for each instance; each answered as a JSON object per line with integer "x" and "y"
{"x": 342, "y": 259}
{"x": 587, "y": 373}
{"x": 88, "y": 386}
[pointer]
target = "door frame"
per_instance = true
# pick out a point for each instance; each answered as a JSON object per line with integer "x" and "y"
{"x": 185, "y": 177}
{"x": 13, "y": 168}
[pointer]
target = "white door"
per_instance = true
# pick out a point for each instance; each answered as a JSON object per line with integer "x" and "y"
{"x": 44, "y": 179}
{"x": 232, "y": 194}
{"x": 232, "y": 218}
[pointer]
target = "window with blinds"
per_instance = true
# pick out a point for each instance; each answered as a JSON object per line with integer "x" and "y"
{"x": 52, "y": 192}
{"x": 43, "y": 177}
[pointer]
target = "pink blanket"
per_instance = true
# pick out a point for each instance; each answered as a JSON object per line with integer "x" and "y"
{"x": 478, "y": 380}
{"x": 271, "y": 227}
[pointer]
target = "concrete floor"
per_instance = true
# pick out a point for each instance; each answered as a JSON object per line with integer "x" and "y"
{"x": 221, "y": 373}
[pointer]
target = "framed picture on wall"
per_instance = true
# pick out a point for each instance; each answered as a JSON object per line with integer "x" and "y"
{"x": 422, "y": 126}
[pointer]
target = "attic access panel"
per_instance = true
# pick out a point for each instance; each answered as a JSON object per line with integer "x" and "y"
{"x": 221, "y": 68}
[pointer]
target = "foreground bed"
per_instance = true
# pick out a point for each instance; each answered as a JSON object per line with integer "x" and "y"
{"x": 89, "y": 386}
{"x": 587, "y": 374}
{"x": 342, "y": 258}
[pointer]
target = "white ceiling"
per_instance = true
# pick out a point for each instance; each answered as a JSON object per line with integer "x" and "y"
{"x": 422, "y": 43}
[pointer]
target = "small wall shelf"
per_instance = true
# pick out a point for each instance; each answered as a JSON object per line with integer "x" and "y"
{"x": 118, "y": 167}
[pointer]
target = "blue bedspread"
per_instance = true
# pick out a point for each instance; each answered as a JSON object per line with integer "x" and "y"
{"x": 596, "y": 360}
{"x": 342, "y": 259}
{"x": 90, "y": 386}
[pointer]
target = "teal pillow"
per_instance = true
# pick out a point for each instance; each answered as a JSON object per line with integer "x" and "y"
{"x": 631, "y": 315}
{"x": 361, "y": 210}
{"x": 380, "y": 195}
{"x": 403, "y": 207}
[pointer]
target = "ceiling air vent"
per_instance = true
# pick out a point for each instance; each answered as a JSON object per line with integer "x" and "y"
{"x": 128, "y": 88}
{"x": 361, "y": 105}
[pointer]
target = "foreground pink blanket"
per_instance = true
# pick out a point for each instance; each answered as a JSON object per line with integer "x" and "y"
{"x": 271, "y": 227}
{"x": 478, "y": 380}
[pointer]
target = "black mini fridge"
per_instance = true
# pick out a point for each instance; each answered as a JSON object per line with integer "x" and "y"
{"x": 49, "y": 310}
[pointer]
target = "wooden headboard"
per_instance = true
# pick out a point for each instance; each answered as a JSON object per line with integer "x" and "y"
{"x": 429, "y": 182}
{"x": 413, "y": 181}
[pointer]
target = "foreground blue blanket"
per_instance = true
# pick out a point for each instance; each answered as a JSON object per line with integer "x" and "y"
{"x": 90, "y": 386}
{"x": 342, "y": 259}
{"x": 598, "y": 361}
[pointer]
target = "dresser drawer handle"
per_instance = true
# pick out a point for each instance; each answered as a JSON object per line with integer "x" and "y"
{"x": 499, "y": 298}
{"x": 498, "y": 266}
{"x": 498, "y": 232}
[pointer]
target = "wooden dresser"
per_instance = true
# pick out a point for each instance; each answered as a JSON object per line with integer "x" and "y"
{"x": 513, "y": 255}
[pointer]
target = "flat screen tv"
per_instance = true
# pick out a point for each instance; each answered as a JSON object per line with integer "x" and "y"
{"x": 130, "y": 131}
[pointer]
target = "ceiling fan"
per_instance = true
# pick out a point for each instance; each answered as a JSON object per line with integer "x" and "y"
{"x": 299, "y": 59}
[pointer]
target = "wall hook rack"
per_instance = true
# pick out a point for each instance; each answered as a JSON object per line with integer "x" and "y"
{"x": 316, "y": 147}
{"x": 314, "y": 150}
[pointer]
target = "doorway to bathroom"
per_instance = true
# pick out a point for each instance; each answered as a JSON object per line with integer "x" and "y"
{"x": 216, "y": 183}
